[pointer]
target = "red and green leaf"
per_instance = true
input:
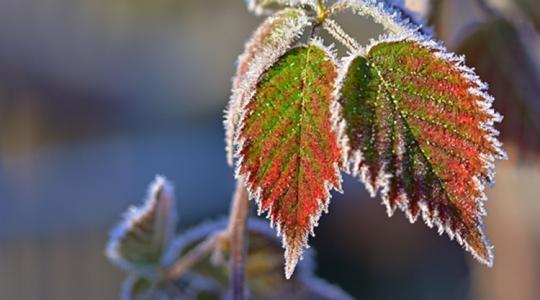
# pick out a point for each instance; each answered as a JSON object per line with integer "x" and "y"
{"x": 289, "y": 154}
{"x": 272, "y": 39}
{"x": 419, "y": 127}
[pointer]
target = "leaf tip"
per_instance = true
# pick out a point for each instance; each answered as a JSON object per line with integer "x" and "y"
{"x": 293, "y": 252}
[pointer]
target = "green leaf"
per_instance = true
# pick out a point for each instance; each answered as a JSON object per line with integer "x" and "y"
{"x": 510, "y": 64}
{"x": 289, "y": 153}
{"x": 275, "y": 36}
{"x": 137, "y": 243}
{"x": 419, "y": 127}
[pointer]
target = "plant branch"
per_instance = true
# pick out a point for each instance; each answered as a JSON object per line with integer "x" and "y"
{"x": 339, "y": 34}
{"x": 188, "y": 260}
{"x": 237, "y": 233}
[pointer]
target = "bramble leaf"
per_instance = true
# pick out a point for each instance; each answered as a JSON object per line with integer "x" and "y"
{"x": 507, "y": 61}
{"x": 265, "y": 7}
{"x": 272, "y": 39}
{"x": 419, "y": 127}
{"x": 289, "y": 153}
{"x": 137, "y": 244}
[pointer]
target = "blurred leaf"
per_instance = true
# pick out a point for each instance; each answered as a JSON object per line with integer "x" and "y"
{"x": 510, "y": 67}
{"x": 140, "y": 288}
{"x": 419, "y": 128}
{"x": 288, "y": 144}
{"x": 265, "y": 279}
{"x": 138, "y": 242}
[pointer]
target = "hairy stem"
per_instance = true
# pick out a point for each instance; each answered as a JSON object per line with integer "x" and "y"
{"x": 338, "y": 7}
{"x": 339, "y": 34}
{"x": 238, "y": 238}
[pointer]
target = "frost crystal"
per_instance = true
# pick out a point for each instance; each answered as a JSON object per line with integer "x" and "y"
{"x": 266, "y": 7}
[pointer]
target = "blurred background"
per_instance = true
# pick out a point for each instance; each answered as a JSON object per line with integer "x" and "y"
{"x": 98, "y": 96}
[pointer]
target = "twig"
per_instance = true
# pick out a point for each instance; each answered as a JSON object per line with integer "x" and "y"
{"x": 238, "y": 239}
{"x": 196, "y": 254}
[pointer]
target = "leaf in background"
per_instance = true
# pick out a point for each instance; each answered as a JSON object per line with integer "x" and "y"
{"x": 265, "y": 7}
{"x": 138, "y": 243}
{"x": 419, "y": 126}
{"x": 140, "y": 288}
{"x": 531, "y": 9}
{"x": 501, "y": 57}
{"x": 272, "y": 39}
{"x": 264, "y": 265}
{"x": 288, "y": 144}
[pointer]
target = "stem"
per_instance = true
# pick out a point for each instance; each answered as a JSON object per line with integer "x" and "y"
{"x": 338, "y": 7}
{"x": 339, "y": 34}
{"x": 238, "y": 238}
{"x": 196, "y": 254}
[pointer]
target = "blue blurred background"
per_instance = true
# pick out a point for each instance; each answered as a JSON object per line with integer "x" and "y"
{"x": 98, "y": 96}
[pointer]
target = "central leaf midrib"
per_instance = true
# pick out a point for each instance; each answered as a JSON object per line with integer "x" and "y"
{"x": 300, "y": 129}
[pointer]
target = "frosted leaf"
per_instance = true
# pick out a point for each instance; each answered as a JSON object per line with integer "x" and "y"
{"x": 419, "y": 127}
{"x": 271, "y": 40}
{"x": 289, "y": 154}
{"x": 138, "y": 242}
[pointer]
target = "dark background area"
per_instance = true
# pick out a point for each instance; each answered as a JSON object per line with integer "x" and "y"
{"x": 98, "y": 96}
